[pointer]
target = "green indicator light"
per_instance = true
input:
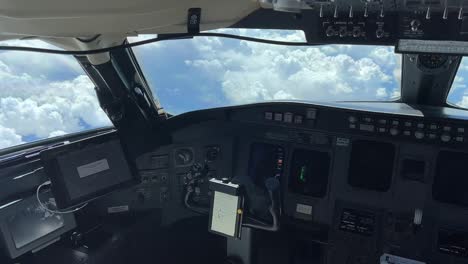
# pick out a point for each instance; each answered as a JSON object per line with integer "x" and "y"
{"x": 302, "y": 175}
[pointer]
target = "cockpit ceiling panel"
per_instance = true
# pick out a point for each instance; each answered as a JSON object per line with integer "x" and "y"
{"x": 68, "y": 18}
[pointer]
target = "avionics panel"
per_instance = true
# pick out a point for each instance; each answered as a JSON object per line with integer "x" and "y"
{"x": 450, "y": 182}
{"x": 266, "y": 161}
{"x": 86, "y": 169}
{"x": 453, "y": 242}
{"x": 371, "y": 165}
{"x": 26, "y": 226}
{"x": 355, "y": 234}
{"x": 382, "y": 160}
{"x": 309, "y": 172}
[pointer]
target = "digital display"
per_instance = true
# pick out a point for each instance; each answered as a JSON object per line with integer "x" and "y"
{"x": 84, "y": 170}
{"x": 451, "y": 182}
{"x": 453, "y": 243}
{"x": 266, "y": 161}
{"x": 359, "y": 222}
{"x": 309, "y": 172}
{"x": 371, "y": 165}
{"x": 33, "y": 222}
{"x": 26, "y": 226}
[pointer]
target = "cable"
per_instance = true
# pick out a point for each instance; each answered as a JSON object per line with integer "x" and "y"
{"x": 43, "y": 206}
{"x": 193, "y": 178}
{"x": 275, "y": 225}
{"x": 196, "y": 209}
{"x": 153, "y": 40}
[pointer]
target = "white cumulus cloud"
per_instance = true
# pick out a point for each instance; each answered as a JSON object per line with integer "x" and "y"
{"x": 8, "y": 137}
{"x": 250, "y": 72}
{"x": 43, "y": 95}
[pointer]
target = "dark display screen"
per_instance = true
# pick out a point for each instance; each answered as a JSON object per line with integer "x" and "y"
{"x": 453, "y": 243}
{"x": 359, "y": 222}
{"x": 84, "y": 170}
{"x": 309, "y": 172}
{"x": 371, "y": 165}
{"x": 266, "y": 161}
{"x": 451, "y": 181}
{"x": 33, "y": 222}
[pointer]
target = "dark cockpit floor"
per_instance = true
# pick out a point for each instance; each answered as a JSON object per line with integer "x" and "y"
{"x": 142, "y": 241}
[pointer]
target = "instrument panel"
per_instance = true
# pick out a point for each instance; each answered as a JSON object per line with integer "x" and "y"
{"x": 342, "y": 167}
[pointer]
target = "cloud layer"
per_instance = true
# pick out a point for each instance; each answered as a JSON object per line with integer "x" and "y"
{"x": 49, "y": 95}
{"x": 44, "y": 96}
{"x": 227, "y": 72}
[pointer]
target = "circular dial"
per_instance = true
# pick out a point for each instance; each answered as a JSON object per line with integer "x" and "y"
{"x": 432, "y": 61}
{"x": 183, "y": 157}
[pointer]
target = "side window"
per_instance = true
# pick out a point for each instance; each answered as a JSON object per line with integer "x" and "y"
{"x": 458, "y": 94}
{"x": 44, "y": 95}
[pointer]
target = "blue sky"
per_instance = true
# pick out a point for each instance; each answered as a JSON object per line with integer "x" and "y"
{"x": 211, "y": 72}
{"x": 46, "y": 95}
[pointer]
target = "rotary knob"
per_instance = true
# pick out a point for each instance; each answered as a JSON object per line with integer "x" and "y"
{"x": 415, "y": 24}
{"x": 419, "y": 135}
{"x": 445, "y": 137}
{"x": 394, "y": 131}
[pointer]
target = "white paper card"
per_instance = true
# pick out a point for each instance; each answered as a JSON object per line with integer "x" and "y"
{"x": 92, "y": 168}
{"x": 224, "y": 213}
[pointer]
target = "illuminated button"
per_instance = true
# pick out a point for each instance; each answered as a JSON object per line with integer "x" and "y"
{"x": 408, "y": 124}
{"x": 445, "y": 138}
{"x": 446, "y": 128}
{"x": 407, "y": 133}
{"x": 352, "y": 126}
{"x": 382, "y": 121}
{"x": 420, "y": 125}
{"x": 394, "y": 131}
{"x": 461, "y": 130}
{"x": 352, "y": 119}
{"x": 419, "y": 134}
{"x": 368, "y": 128}
{"x": 298, "y": 119}
{"x": 395, "y": 122}
{"x": 268, "y": 115}
{"x": 459, "y": 139}
{"x": 288, "y": 117}
{"x": 432, "y": 136}
{"x": 368, "y": 119}
{"x": 382, "y": 130}
{"x": 433, "y": 127}
{"x": 311, "y": 113}
{"x": 278, "y": 117}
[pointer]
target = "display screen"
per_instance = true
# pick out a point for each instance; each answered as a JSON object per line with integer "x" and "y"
{"x": 356, "y": 221}
{"x": 87, "y": 169}
{"x": 451, "y": 182}
{"x": 266, "y": 161}
{"x": 453, "y": 243}
{"x": 33, "y": 222}
{"x": 309, "y": 172}
{"x": 371, "y": 165}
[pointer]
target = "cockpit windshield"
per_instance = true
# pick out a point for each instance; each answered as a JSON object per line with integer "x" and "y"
{"x": 210, "y": 72}
{"x": 459, "y": 92}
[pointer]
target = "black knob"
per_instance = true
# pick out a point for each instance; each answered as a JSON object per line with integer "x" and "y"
{"x": 379, "y": 33}
{"x": 415, "y": 24}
